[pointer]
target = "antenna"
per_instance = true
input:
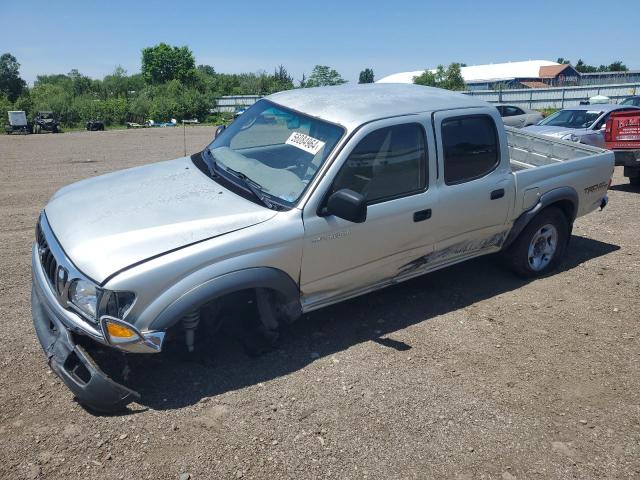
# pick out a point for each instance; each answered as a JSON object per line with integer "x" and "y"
{"x": 184, "y": 136}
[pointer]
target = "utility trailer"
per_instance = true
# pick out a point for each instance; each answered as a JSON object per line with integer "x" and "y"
{"x": 17, "y": 123}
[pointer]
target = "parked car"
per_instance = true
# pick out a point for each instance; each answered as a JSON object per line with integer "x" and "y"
{"x": 239, "y": 111}
{"x": 95, "y": 125}
{"x": 514, "y": 116}
{"x": 582, "y": 123}
{"x": 17, "y": 123}
{"x": 634, "y": 100}
{"x": 622, "y": 135}
{"x": 359, "y": 187}
{"x": 46, "y": 121}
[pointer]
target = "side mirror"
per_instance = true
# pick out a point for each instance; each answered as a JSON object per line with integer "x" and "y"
{"x": 348, "y": 205}
{"x": 218, "y": 131}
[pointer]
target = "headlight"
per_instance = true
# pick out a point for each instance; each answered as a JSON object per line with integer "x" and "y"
{"x": 84, "y": 295}
{"x": 118, "y": 303}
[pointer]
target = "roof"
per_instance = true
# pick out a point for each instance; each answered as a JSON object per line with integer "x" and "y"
{"x": 611, "y": 74}
{"x": 534, "y": 84}
{"x": 353, "y": 105}
{"x": 552, "y": 71}
{"x": 600, "y": 107}
{"x": 483, "y": 73}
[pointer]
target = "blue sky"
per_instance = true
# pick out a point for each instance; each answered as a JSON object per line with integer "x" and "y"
{"x": 389, "y": 36}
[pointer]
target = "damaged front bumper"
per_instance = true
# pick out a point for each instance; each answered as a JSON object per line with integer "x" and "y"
{"x": 90, "y": 385}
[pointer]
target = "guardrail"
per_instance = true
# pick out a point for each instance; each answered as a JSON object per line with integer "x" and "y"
{"x": 556, "y": 97}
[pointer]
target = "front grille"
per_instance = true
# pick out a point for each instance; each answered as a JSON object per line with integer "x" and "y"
{"x": 47, "y": 260}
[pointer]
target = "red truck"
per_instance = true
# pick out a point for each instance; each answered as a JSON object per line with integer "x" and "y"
{"x": 622, "y": 135}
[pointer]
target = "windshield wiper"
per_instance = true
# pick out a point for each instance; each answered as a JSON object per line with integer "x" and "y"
{"x": 254, "y": 187}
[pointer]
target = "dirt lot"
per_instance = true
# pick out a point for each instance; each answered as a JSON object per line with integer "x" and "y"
{"x": 467, "y": 373}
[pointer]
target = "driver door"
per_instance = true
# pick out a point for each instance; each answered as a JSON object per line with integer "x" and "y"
{"x": 392, "y": 164}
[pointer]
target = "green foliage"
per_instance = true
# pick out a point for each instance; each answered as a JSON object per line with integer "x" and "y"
{"x": 583, "y": 67}
{"x": 170, "y": 86}
{"x": 11, "y": 85}
{"x": 366, "y": 76}
{"x": 5, "y": 106}
{"x": 164, "y": 63}
{"x": 449, "y": 78}
{"x": 322, "y": 76}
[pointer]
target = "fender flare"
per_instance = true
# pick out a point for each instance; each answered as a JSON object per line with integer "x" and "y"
{"x": 546, "y": 199}
{"x": 250, "y": 278}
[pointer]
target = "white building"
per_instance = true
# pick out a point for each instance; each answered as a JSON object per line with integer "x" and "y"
{"x": 482, "y": 76}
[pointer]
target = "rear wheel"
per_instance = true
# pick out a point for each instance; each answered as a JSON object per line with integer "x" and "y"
{"x": 541, "y": 246}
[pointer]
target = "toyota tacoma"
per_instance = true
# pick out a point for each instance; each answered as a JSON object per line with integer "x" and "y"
{"x": 310, "y": 197}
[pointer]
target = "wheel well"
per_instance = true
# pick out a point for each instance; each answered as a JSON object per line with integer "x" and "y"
{"x": 567, "y": 208}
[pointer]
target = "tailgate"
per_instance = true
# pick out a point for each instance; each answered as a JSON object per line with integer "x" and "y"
{"x": 623, "y": 130}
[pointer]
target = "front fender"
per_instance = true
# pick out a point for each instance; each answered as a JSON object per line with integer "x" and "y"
{"x": 250, "y": 278}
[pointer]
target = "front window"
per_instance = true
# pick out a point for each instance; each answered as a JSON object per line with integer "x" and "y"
{"x": 572, "y": 118}
{"x": 278, "y": 150}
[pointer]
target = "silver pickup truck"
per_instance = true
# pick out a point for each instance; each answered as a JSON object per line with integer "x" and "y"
{"x": 311, "y": 197}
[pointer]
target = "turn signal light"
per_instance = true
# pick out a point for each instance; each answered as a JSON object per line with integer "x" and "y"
{"x": 117, "y": 330}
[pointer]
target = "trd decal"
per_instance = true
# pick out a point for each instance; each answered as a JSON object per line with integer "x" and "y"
{"x": 595, "y": 188}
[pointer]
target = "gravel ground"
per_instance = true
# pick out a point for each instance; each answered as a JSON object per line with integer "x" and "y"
{"x": 464, "y": 373}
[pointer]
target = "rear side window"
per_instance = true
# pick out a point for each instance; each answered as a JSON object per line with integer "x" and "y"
{"x": 470, "y": 148}
{"x": 388, "y": 163}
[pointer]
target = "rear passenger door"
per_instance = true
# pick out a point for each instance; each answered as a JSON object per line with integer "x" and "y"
{"x": 475, "y": 184}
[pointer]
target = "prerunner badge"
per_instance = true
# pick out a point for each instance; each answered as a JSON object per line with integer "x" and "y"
{"x": 305, "y": 142}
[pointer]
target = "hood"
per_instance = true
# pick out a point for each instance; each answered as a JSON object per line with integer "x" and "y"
{"x": 554, "y": 131}
{"x": 107, "y": 223}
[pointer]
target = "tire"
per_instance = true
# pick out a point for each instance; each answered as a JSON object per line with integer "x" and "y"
{"x": 634, "y": 181}
{"x": 540, "y": 247}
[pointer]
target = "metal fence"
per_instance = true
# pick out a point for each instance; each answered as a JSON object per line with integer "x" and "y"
{"x": 229, "y": 103}
{"x": 537, "y": 98}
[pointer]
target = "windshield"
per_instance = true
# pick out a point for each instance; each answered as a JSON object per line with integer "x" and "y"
{"x": 277, "y": 149}
{"x": 572, "y": 118}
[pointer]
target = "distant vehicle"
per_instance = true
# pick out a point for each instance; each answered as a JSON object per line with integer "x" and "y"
{"x": 582, "y": 123}
{"x": 17, "y": 123}
{"x": 95, "y": 125}
{"x": 622, "y": 135}
{"x": 514, "y": 116}
{"x": 151, "y": 123}
{"x": 239, "y": 111}
{"x": 46, "y": 121}
{"x": 635, "y": 101}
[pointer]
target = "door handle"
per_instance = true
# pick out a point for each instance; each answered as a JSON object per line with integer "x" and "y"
{"x": 497, "y": 194}
{"x": 422, "y": 215}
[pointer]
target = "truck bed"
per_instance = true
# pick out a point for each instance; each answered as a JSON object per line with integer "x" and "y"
{"x": 529, "y": 150}
{"x": 541, "y": 164}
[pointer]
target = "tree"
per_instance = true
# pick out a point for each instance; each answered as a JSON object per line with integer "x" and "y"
{"x": 281, "y": 80}
{"x": 11, "y": 85}
{"x": 617, "y": 66}
{"x": 322, "y": 76}
{"x": 449, "y": 78}
{"x": 366, "y": 76}
{"x": 163, "y": 63}
{"x": 563, "y": 61}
